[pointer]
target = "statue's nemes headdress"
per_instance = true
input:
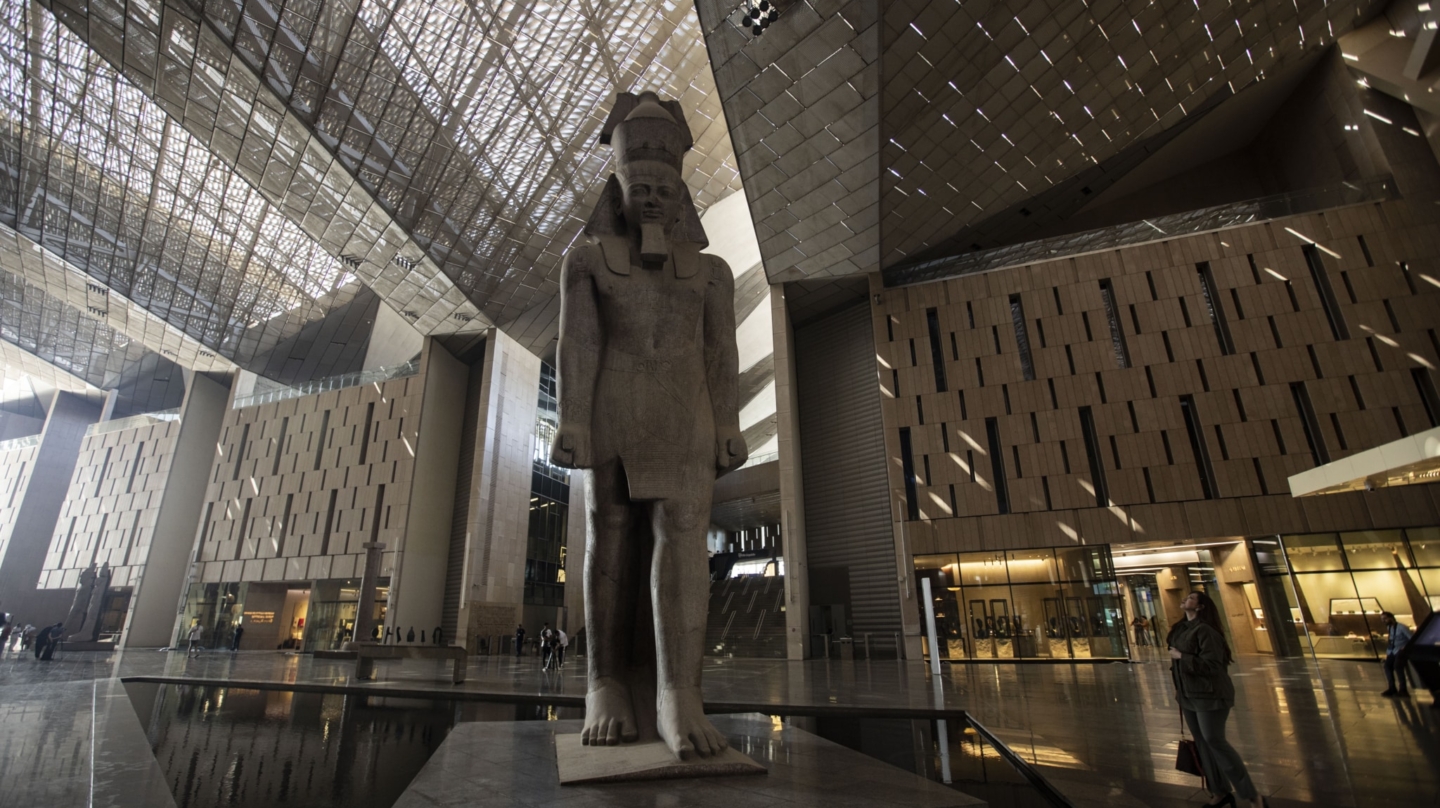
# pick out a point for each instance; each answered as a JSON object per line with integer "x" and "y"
{"x": 644, "y": 130}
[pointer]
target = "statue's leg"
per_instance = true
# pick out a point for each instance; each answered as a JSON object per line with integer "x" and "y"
{"x": 611, "y": 586}
{"x": 680, "y": 588}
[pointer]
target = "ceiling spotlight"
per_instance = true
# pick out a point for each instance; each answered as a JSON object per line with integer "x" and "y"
{"x": 757, "y": 15}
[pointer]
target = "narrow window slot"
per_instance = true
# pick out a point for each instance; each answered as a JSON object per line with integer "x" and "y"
{"x": 970, "y": 313}
{"x": 1149, "y": 486}
{"x": 964, "y": 415}
{"x": 920, "y": 410}
{"x": 1059, "y": 307}
{"x": 1045, "y": 486}
{"x": 1117, "y": 334}
{"x": 1100, "y": 385}
{"x": 1315, "y": 362}
{"x": 1333, "y": 316}
{"x": 979, "y": 371}
{"x": 1035, "y": 427}
{"x": 1339, "y": 433}
{"x": 1185, "y": 313}
{"x": 1409, "y": 279}
{"x": 1235, "y": 299}
{"x": 1134, "y": 319}
{"x": 280, "y": 443}
{"x": 1070, "y": 359}
{"x": 240, "y": 450}
{"x": 1092, "y": 455}
{"x": 1065, "y": 456}
{"x": 1349, "y": 289}
{"x": 329, "y": 522}
{"x": 1355, "y": 389}
{"x": 1394, "y": 321}
{"x": 1399, "y": 422}
{"x": 995, "y": 335}
{"x": 1313, "y": 438}
{"x": 925, "y": 464}
{"x": 1255, "y": 363}
{"x": 1054, "y": 401}
{"x": 135, "y": 466}
{"x": 1134, "y": 421}
{"x": 1040, "y": 331}
{"x": 1197, "y": 446}
{"x": 1240, "y": 405}
{"x": 284, "y": 527}
{"x": 1294, "y": 298}
{"x": 1365, "y": 249}
{"x": 954, "y": 349}
{"x": 1260, "y": 476}
{"x": 1169, "y": 351}
{"x": 1220, "y": 441}
{"x": 944, "y": 437}
{"x": 890, "y": 327}
{"x": 954, "y": 509}
{"x": 1279, "y": 437}
{"x": 1204, "y": 380}
{"x": 907, "y": 464}
{"x": 997, "y": 465}
{"x": 1150, "y": 380}
{"x": 1426, "y": 386}
{"x": 913, "y": 361}
{"x": 1022, "y": 337}
{"x": 1115, "y": 452}
{"x": 244, "y": 528}
{"x": 320, "y": 439}
{"x": 1085, "y": 319}
{"x": 1374, "y": 354}
{"x": 895, "y": 382}
{"x": 1212, "y": 304}
{"x": 105, "y": 469}
{"x": 1254, "y": 270}
{"x": 1015, "y": 454}
{"x": 1005, "y": 394}
{"x": 1150, "y": 281}
{"x": 1275, "y": 332}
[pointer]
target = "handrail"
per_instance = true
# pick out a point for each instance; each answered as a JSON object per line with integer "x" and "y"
{"x": 19, "y": 443}
{"x": 1036, "y": 780}
{"x": 133, "y": 421}
{"x": 340, "y": 382}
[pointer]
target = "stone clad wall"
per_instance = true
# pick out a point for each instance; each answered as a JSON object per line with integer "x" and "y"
{"x": 322, "y": 459}
{"x": 15, "y": 468}
{"x": 1361, "y": 387}
{"x": 114, "y": 500}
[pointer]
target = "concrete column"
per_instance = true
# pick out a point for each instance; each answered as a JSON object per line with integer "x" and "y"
{"x": 365, "y": 613}
{"x": 159, "y": 597}
{"x": 22, "y": 553}
{"x": 792, "y": 499}
{"x": 417, "y": 587}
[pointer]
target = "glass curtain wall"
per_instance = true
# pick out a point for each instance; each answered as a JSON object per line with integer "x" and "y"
{"x": 549, "y": 506}
{"x": 1047, "y": 603}
{"x": 1341, "y": 582}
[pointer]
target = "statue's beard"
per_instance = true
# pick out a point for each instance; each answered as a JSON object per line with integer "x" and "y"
{"x": 654, "y": 244}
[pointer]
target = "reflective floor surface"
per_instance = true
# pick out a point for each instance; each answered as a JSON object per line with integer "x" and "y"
{"x": 1106, "y": 734}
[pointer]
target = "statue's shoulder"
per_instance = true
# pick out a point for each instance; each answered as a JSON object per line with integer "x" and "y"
{"x": 585, "y": 256}
{"x": 718, "y": 270}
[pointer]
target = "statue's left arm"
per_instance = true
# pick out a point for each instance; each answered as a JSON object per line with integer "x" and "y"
{"x": 722, "y": 366}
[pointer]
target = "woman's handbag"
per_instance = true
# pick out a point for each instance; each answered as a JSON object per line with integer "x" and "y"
{"x": 1187, "y": 759}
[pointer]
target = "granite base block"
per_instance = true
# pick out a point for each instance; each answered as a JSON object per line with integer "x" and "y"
{"x": 514, "y": 763}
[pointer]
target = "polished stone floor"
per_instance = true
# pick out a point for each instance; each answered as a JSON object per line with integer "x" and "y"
{"x": 1104, "y": 734}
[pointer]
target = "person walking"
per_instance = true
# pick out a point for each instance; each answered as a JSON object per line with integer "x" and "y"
{"x": 519, "y": 640}
{"x": 547, "y": 647}
{"x": 1140, "y": 634}
{"x": 1398, "y": 635}
{"x": 43, "y": 641}
{"x": 561, "y": 641}
{"x": 235, "y": 639}
{"x": 196, "y": 633}
{"x": 1199, "y": 656}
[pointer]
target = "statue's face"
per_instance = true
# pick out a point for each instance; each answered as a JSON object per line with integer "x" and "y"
{"x": 652, "y": 196}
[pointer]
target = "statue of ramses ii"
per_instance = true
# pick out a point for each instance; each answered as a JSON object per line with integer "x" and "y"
{"x": 648, "y": 387}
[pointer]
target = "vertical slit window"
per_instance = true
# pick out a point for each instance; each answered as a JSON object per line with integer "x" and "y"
{"x": 1212, "y": 304}
{"x": 1313, "y": 438}
{"x": 1338, "y": 328}
{"x": 1022, "y": 337}
{"x": 997, "y": 465}
{"x": 284, "y": 527}
{"x": 280, "y": 444}
{"x": 937, "y": 353}
{"x": 329, "y": 522}
{"x": 1117, "y": 334}
{"x": 907, "y": 464}
{"x": 105, "y": 469}
{"x": 320, "y": 440}
{"x": 1426, "y": 386}
{"x": 1197, "y": 446}
{"x": 1092, "y": 454}
{"x": 240, "y": 451}
{"x": 205, "y": 528}
{"x": 244, "y": 528}
{"x": 135, "y": 466}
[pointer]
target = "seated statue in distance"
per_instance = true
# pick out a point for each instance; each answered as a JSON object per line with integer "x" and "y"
{"x": 648, "y": 381}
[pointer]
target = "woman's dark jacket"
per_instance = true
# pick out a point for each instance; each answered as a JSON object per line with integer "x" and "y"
{"x": 1201, "y": 682}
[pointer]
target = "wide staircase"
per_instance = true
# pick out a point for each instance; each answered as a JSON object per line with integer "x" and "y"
{"x": 747, "y": 617}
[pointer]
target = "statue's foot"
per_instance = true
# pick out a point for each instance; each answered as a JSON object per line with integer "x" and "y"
{"x": 609, "y": 716}
{"x": 684, "y": 727}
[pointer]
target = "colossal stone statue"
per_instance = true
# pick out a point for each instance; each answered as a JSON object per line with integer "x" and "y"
{"x": 648, "y": 406}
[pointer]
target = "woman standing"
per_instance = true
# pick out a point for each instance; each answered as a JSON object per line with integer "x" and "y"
{"x": 1199, "y": 657}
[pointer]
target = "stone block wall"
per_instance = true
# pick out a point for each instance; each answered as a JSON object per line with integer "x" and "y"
{"x": 1348, "y": 333}
{"x": 112, "y": 506}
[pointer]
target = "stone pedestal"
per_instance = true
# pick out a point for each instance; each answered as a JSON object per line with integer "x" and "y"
{"x": 514, "y": 763}
{"x": 650, "y": 760}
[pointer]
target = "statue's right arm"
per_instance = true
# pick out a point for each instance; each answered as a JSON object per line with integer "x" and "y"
{"x": 577, "y": 356}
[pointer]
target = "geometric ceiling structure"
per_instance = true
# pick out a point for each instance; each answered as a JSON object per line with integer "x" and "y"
{"x": 984, "y": 109}
{"x": 446, "y": 152}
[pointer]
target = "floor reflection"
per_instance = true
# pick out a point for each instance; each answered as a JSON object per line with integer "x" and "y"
{"x": 236, "y": 747}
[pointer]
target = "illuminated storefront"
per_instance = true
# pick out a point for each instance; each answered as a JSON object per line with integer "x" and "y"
{"x": 1335, "y": 585}
{"x": 1049, "y": 603}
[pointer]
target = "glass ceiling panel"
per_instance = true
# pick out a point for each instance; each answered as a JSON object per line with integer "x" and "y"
{"x": 100, "y": 175}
